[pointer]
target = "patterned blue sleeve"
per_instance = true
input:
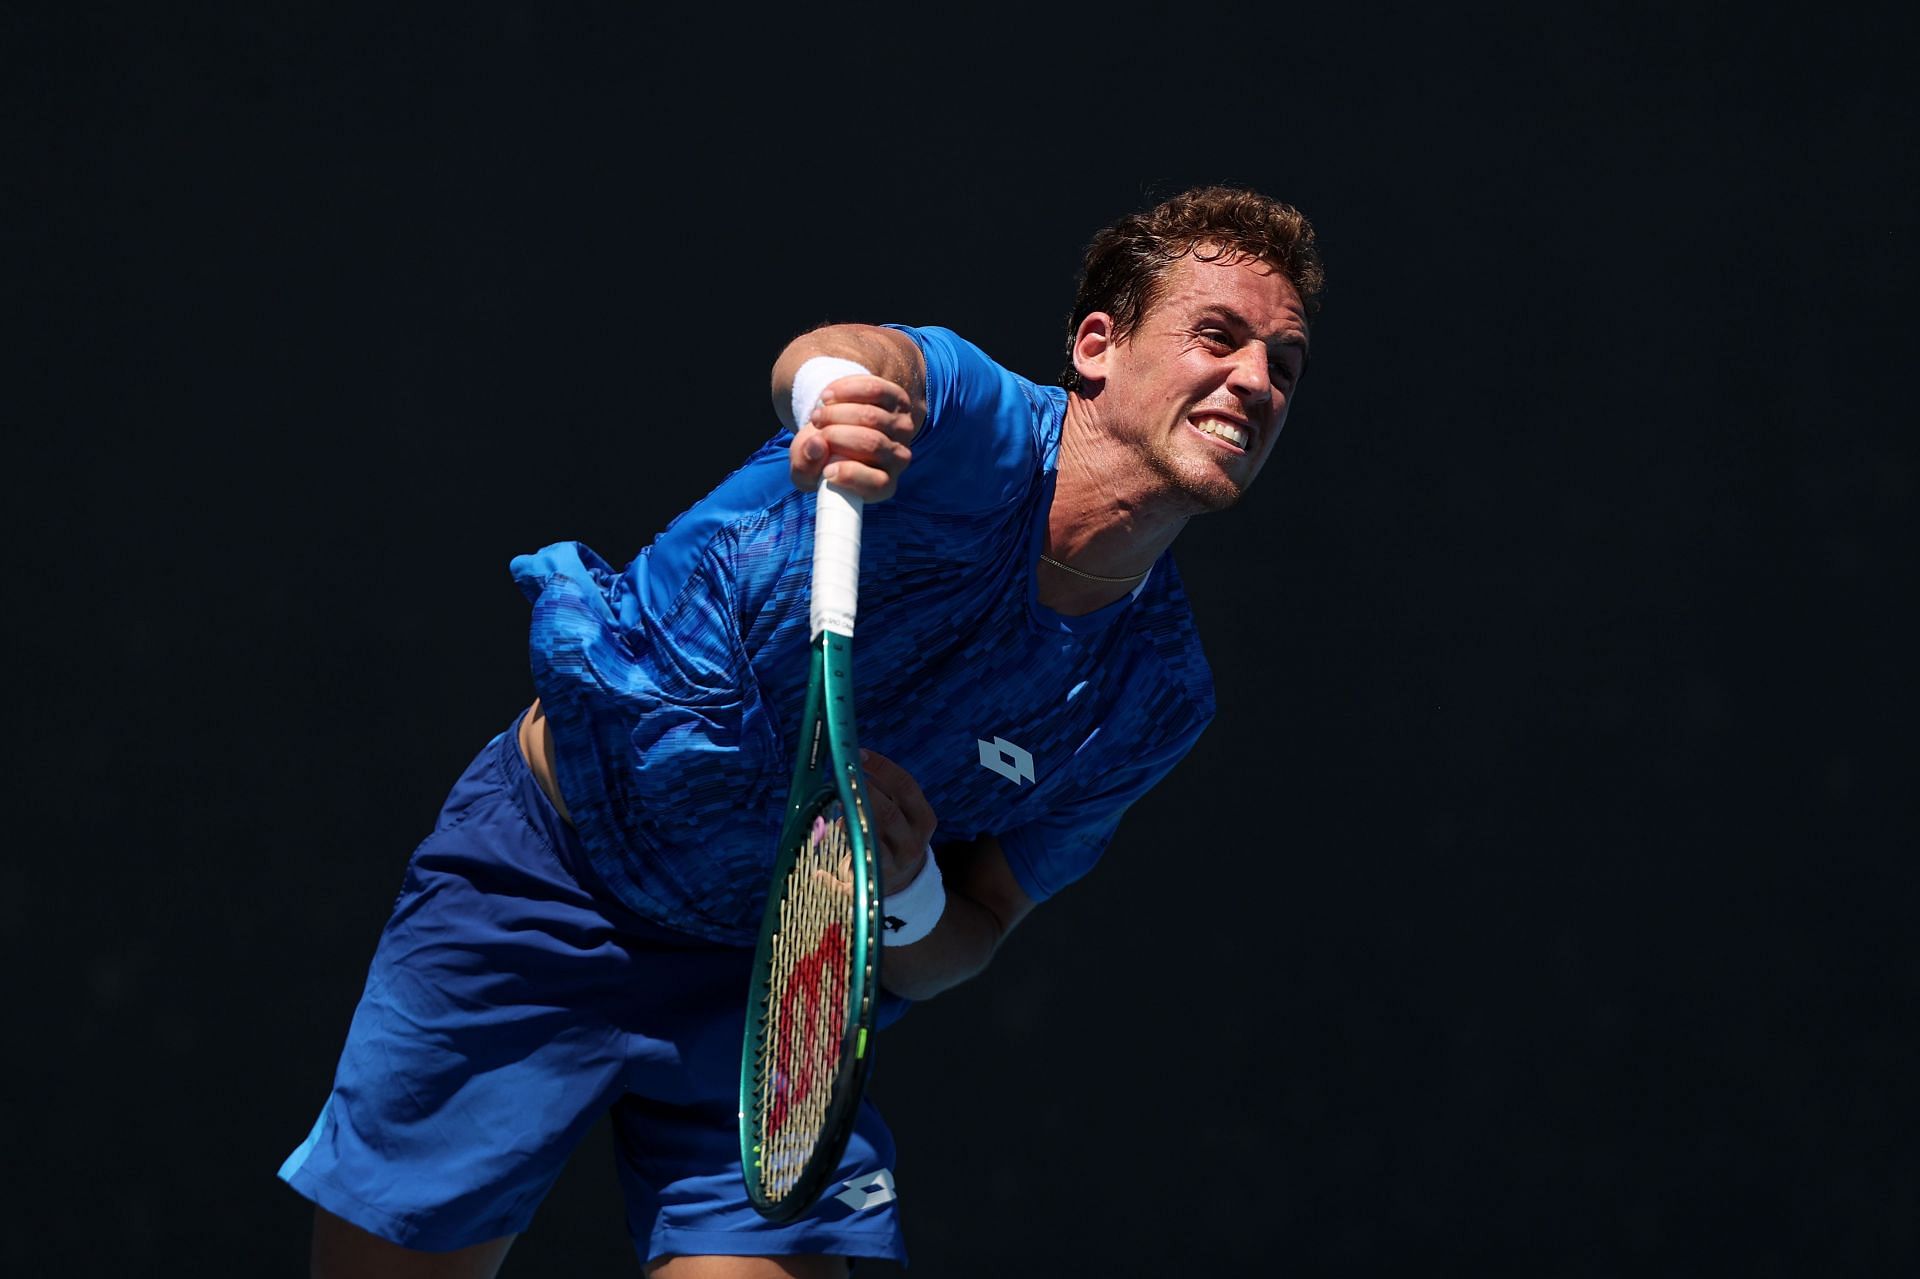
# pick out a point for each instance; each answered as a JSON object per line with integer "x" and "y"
{"x": 1047, "y": 855}
{"x": 980, "y": 444}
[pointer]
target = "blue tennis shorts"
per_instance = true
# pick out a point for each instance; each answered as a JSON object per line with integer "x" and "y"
{"x": 510, "y": 1003}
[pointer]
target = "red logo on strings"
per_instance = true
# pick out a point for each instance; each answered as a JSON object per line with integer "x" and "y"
{"x": 818, "y": 984}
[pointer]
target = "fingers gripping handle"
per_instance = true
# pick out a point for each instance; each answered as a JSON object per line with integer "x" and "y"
{"x": 836, "y": 561}
{"x": 836, "y": 529}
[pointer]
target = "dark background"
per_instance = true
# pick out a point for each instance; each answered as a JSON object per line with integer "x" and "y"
{"x": 1541, "y": 901}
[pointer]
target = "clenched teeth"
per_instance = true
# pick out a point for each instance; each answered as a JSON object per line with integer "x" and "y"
{"x": 1237, "y": 436}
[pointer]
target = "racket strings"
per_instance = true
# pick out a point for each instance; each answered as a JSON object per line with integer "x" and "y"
{"x": 806, "y": 1004}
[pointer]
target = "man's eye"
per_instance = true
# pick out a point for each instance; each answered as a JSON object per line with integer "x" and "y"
{"x": 1216, "y": 337}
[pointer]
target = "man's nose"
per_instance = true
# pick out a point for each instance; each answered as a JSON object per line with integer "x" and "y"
{"x": 1250, "y": 379}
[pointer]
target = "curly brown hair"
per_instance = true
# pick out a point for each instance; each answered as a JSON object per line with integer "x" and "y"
{"x": 1127, "y": 264}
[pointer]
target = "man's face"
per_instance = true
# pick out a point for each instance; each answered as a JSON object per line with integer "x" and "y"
{"x": 1203, "y": 384}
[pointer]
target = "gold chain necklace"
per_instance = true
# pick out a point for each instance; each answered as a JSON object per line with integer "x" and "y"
{"x": 1094, "y": 577}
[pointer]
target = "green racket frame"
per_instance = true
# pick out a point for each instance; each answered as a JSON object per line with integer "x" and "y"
{"x": 828, "y": 770}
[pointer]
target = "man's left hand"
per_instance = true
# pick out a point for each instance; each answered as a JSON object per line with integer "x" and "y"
{"x": 903, "y": 820}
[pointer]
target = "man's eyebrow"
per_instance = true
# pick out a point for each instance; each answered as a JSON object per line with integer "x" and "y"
{"x": 1292, "y": 337}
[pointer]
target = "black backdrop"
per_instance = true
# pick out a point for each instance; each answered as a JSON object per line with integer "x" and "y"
{"x": 1540, "y": 902}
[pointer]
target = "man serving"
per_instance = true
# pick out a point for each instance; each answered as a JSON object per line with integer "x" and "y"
{"x": 574, "y": 937}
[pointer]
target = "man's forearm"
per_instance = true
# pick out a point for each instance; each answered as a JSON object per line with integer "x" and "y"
{"x": 884, "y": 352}
{"x": 959, "y": 947}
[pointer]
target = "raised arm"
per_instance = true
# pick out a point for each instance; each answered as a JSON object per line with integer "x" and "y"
{"x": 858, "y": 431}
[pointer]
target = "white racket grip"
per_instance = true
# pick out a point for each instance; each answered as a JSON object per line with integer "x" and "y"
{"x": 836, "y": 561}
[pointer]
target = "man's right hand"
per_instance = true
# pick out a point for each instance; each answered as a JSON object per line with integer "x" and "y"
{"x": 857, "y": 438}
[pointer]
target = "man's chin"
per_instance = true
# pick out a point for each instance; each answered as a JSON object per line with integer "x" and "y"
{"x": 1215, "y": 492}
{"x": 1221, "y": 500}
{"x": 1205, "y": 488}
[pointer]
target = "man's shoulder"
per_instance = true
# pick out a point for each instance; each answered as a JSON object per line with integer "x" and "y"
{"x": 988, "y": 435}
{"x": 952, "y": 353}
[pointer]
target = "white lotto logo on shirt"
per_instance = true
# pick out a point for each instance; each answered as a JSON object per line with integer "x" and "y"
{"x": 1006, "y": 759}
{"x": 868, "y": 1192}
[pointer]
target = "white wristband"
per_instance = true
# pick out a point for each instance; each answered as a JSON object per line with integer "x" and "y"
{"x": 812, "y": 378}
{"x": 908, "y": 914}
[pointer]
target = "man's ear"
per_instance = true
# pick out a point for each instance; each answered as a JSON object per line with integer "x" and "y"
{"x": 1092, "y": 346}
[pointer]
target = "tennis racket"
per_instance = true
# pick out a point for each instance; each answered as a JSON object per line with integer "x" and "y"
{"x": 804, "y": 1063}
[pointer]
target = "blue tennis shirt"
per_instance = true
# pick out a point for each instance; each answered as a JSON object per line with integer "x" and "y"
{"x": 674, "y": 686}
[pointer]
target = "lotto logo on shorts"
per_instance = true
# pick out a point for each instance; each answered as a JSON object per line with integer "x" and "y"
{"x": 868, "y": 1192}
{"x": 1006, "y": 759}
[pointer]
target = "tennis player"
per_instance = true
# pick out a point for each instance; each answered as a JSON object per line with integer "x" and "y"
{"x": 574, "y": 935}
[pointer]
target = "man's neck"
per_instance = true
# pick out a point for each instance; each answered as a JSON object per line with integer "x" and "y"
{"x": 1109, "y": 519}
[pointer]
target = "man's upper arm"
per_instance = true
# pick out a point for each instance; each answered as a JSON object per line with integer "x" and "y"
{"x": 1065, "y": 843}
